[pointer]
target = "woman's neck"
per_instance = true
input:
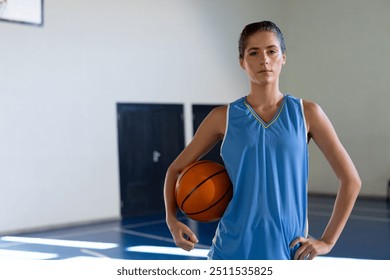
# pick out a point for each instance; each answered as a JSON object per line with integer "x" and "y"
{"x": 264, "y": 95}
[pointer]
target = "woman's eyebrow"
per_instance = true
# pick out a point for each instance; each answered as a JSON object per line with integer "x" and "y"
{"x": 267, "y": 47}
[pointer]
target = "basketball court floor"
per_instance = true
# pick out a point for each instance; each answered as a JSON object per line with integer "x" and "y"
{"x": 366, "y": 236}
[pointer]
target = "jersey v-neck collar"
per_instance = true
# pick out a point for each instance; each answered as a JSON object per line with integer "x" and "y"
{"x": 259, "y": 119}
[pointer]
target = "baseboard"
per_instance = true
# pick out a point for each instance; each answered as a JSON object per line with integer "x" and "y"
{"x": 59, "y": 226}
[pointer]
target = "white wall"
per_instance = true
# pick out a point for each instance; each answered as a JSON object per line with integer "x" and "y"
{"x": 338, "y": 57}
{"x": 59, "y": 85}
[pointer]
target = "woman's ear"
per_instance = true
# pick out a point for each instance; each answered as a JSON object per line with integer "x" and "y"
{"x": 284, "y": 59}
{"x": 242, "y": 63}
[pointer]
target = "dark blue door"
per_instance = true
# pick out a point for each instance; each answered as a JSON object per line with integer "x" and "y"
{"x": 150, "y": 136}
{"x": 199, "y": 113}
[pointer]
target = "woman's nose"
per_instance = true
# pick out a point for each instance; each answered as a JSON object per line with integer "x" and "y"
{"x": 264, "y": 59}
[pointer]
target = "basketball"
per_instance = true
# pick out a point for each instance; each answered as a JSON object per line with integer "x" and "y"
{"x": 203, "y": 191}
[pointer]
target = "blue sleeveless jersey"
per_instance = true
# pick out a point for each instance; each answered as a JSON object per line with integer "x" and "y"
{"x": 268, "y": 166}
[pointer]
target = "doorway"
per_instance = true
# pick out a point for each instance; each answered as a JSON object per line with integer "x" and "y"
{"x": 150, "y": 136}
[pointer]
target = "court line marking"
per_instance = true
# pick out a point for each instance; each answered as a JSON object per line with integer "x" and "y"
{"x": 163, "y": 250}
{"x": 144, "y": 224}
{"x": 156, "y": 237}
{"x": 76, "y": 234}
{"x": 81, "y": 232}
{"x": 93, "y": 253}
{"x": 65, "y": 235}
{"x": 356, "y": 208}
{"x": 102, "y": 228}
{"x": 60, "y": 242}
{"x": 353, "y": 217}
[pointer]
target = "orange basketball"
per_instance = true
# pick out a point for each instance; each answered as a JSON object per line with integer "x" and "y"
{"x": 203, "y": 191}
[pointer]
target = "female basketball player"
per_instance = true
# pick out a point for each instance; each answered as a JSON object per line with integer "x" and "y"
{"x": 265, "y": 150}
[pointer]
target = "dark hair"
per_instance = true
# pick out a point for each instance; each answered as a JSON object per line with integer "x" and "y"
{"x": 252, "y": 28}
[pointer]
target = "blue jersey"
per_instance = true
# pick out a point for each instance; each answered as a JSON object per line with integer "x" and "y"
{"x": 268, "y": 166}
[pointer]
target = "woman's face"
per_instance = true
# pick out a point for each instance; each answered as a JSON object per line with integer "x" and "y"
{"x": 263, "y": 58}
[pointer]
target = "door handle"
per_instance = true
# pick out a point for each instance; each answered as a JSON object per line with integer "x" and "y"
{"x": 156, "y": 156}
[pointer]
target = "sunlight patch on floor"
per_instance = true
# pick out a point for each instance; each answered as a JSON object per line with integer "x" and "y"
{"x": 59, "y": 242}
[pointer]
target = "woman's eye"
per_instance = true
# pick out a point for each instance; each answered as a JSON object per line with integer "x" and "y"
{"x": 253, "y": 53}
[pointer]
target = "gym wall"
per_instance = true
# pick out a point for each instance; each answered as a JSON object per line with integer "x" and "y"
{"x": 59, "y": 86}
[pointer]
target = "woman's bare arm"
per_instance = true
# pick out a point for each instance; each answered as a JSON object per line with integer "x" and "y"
{"x": 322, "y": 132}
{"x": 210, "y": 131}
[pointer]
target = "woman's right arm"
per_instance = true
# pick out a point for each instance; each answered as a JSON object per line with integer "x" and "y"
{"x": 210, "y": 131}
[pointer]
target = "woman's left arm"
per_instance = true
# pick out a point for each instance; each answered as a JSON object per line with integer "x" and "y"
{"x": 322, "y": 132}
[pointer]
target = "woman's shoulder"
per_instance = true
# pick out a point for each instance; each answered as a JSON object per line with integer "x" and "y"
{"x": 314, "y": 114}
{"x": 219, "y": 112}
{"x": 215, "y": 122}
{"x": 311, "y": 108}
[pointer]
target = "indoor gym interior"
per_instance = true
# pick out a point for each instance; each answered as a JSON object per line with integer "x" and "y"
{"x": 93, "y": 109}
